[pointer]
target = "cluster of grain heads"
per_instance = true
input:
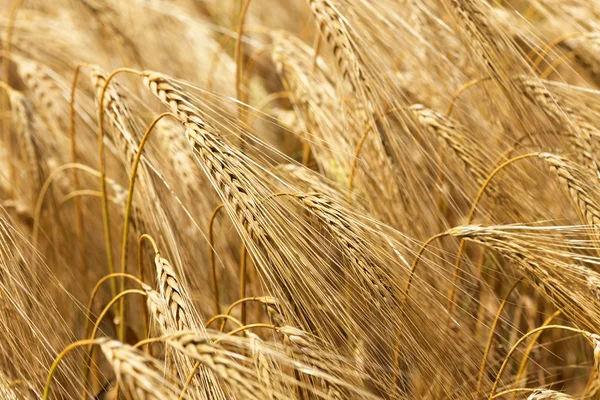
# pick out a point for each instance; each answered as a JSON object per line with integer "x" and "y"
{"x": 331, "y": 174}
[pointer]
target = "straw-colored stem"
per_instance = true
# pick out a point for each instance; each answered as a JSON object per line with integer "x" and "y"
{"x": 60, "y": 356}
{"x": 78, "y": 215}
{"x": 357, "y": 150}
{"x": 243, "y": 257}
{"x": 79, "y": 193}
{"x": 461, "y": 90}
{"x": 555, "y": 43}
{"x": 40, "y": 200}
{"x": 213, "y": 271}
{"x": 95, "y": 291}
{"x": 521, "y": 340}
{"x": 461, "y": 246}
{"x": 548, "y": 71}
{"x": 224, "y": 317}
{"x": 416, "y": 260}
{"x": 106, "y": 309}
{"x": 101, "y": 169}
{"x": 246, "y": 327}
{"x": 231, "y": 307}
{"x": 130, "y": 193}
{"x": 530, "y": 346}
{"x": 491, "y": 335}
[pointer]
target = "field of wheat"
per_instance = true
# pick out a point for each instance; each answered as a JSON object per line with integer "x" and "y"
{"x": 300, "y": 199}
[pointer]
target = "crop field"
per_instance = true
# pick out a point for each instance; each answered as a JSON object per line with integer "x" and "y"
{"x": 300, "y": 199}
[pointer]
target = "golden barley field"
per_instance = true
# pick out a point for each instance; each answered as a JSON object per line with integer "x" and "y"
{"x": 300, "y": 199}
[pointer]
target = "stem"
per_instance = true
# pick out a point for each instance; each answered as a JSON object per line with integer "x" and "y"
{"x": 106, "y": 309}
{"x": 62, "y": 354}
{"x": 246, "y": 327}
{"x": 491, "y": 336}
{"x": 416, "y": 260}
{"x": 548, "y": 71}
{"x": 529, "y": 348}
{"x": 521, "y": 340}
{"x": 78, "y": 193}
{"x": 105, "y": 214}
{"x": 46, "y": 186}
{"x": 240, "y": 301}
{"x": 238, "y": 57}
{"x": 130, "y": 193}
{"x": 470, "y": 220}
{"x": 462, "y": 89}
{"x": 213, "y": 272}
{"x": 555, "y": 43}
{"x": 78, "y": 215}
{"x": 224, "y": 317}
{"x": 243, "y": 254}
{"x": 95, "y": 290}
